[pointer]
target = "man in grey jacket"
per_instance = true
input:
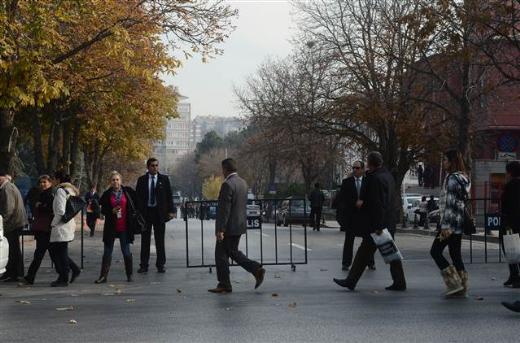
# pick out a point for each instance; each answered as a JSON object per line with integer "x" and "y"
{"x": 12, "y": 211}
{"x": 231, "y": 223}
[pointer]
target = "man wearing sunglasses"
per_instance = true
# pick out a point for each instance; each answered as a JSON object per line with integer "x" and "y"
{"x": 351, "y": 212}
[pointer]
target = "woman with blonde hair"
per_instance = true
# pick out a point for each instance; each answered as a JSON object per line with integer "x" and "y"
{"x": 455, "y": 191}
{"x": 118, "y": 204}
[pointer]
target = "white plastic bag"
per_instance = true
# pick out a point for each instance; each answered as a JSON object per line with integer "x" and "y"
{"x": 512, "y": 247}
{"x": 4, "y": 248}
{"x": 387, "y": 247}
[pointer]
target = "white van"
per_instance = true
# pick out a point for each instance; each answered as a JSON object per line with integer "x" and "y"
{"x": 4, "y": 248}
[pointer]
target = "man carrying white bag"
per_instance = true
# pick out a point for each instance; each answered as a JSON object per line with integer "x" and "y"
{"x": 380, "y": 201}
{"x": 4, "y": 248}
{"x": 387, "y": 247}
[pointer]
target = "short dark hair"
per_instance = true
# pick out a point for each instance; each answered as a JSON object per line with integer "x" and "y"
{"x": 150, "y": 161}
{"x": 229, "y": 165}
{"x": 513, "y": 168}
{"x": 375, "y": 159}
{"x": 3, "y": 172}
{"x": 44, "y": 177}
{"x": 317, "y": 185}
{"x": 361, "y": 163}
{"x": 62, "y": 176}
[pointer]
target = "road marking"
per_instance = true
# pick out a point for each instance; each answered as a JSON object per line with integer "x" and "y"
{"x": 300, "y": 247}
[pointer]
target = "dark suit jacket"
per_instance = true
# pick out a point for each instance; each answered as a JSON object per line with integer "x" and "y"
{"x": 316, "y": 198}
{"x": 354, "y": 220}
{"x": 163, "y": 195}
{"x": 511, "y": 205}
{"x": 232, "y": 207}
{"x": 381, "y": 200}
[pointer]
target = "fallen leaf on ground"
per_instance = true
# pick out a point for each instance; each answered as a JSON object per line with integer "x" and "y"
{"x": 118, "y": 291}
{"x": 179, "y": 290}
{"x": 67, "y": 308}
{"x": 228, "y": 308}
{"x": 72, "y": 321}
{"x": 23, "y": 302}
{"x": 292, "y": 305}
{"x": 323, "y": 270}
{"x": 111, "y": 285}
{"x": 494, "y": 278}
{"x": 479, "y": 298}
{"x": 274, "y": 294}
{"x": 130, "y": 300}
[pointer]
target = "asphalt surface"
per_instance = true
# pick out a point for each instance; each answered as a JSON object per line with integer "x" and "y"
{"x": 300, "y": 306}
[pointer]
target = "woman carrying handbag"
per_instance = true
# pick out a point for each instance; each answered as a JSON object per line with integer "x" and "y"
{"x": 118, "y": 205}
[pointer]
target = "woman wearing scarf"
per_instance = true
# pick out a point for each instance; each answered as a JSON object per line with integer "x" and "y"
{"x": 117, "y": 203}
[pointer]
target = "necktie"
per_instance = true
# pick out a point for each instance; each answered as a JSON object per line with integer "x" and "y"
{"x": 358, "y": 187}
{"x": 152, "y": 192}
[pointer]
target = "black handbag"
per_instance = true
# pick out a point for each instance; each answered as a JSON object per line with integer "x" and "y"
{"x": 137, "y": 224}
{"x": 73, "y": 206}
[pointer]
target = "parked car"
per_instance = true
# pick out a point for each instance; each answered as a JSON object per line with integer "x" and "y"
{"x": 4, "y": 248}
{"x": 410, "y": 205}
{"x": 293, "y": 212}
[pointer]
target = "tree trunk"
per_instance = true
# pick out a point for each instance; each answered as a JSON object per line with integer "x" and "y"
{"x": 74, "y": 148}
{"x": 65, "y": 156}
{"x": 38, "y": 142}
{"x": 8, "y": 135}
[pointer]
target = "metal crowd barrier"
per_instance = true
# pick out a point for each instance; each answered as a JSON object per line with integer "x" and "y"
{"x": 261, "y": 212}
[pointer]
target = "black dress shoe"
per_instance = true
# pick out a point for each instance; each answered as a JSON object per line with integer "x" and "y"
{"x": 161, "y": 270}
{"x": 345, "y": 283}
{"x": 259, "y": 276}
{"x": 394, "y": 287}
{"x": 11, "y": 279}
{"x": 59, "y": 284}
{"x": 4, "y": 277}
{"x": 509, "y": 282}
{"x": 220, "y": 290}
{"x": 142, "y": 270}
{"x": 28, "y": 280}
{"x": 74, "y": 275}
{"x": 515, "y": 307}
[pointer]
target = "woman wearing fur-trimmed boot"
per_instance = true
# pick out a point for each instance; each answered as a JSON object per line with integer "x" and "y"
{"x": 456, "y": 187}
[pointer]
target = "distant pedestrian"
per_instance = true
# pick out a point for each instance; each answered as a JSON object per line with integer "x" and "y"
{"x": 41, "y": 226}
{"x": 156, "y": 201}
{"x": 420, "y": 175}
{"x": 116, "y": 205}
{"x": 423, "y": 211}
{"x": 511, "y": 215}
{"x": 12, "y": 210}
{"x": 316, "y": 198}
{"x": 428, "y": 177}
{"x": 351, "y": 213}
{"x": 456, "y": 188}
{"x": 380, "y": 202}
{"x": 230, "y": 225}
{"x": 63, "y": 232}
{"x": 93, "y": 210}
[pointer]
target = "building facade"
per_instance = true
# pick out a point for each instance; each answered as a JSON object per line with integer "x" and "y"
{"x": 201, "y": 125}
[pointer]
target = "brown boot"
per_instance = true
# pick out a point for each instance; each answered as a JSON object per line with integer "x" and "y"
{"x": 105, "y": 267}
{"x": 452, "y": 281}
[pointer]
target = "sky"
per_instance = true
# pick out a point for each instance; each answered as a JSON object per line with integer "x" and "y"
{"x": 264, "y": 29}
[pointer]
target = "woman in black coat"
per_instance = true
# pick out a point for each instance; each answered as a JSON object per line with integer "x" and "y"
{"x": 117, "y": 205}
{"x": 511, "y": 215}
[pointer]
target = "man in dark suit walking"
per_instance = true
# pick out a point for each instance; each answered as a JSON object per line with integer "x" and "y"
{"x": 380, "y": 202}
{"x": 351, "y": 213}
{"x": 316, "y": 198}
{"x": 231, "y": 223}
{"x": 156, "y": 203}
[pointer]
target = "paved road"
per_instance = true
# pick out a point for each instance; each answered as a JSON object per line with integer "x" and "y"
{"x": 300, "y": 306}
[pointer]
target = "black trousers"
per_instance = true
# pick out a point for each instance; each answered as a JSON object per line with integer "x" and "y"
{"x": 60, "y": 256}
{"x": 315, "y": 217}
{"x": 14, "y": 268}
{"x": 514, "y": 269}
{"x": 91, "y": 222}
{"x": 454, "y": 243}
{"x": 348, "y": 250}
{"x": 366, "y": 252}
{"x": 159, "y": 228}
{"x": 42, "y": 245}
{"x": 226, "y": 249}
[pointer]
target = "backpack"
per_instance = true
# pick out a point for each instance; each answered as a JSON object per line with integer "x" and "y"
{"x": 73, "y": 206}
